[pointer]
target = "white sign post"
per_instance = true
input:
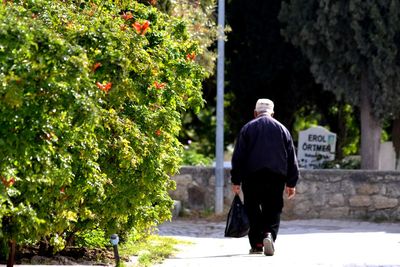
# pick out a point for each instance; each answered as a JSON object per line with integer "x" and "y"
{"x": 316, "y": 145}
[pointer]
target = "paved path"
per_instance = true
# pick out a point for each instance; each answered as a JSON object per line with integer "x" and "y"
{"x": 300, "y": 243}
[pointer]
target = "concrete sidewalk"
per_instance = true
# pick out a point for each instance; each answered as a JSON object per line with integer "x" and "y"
{"x": 300, "y": 243}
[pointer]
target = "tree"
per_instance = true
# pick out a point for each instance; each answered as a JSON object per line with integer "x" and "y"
{"x": 260, "y": 63}
{"x": 353, "y": 49}
{"x": 91, "y": 101}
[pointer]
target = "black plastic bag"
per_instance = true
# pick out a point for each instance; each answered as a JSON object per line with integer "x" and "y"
{"x": 237, "y": 223}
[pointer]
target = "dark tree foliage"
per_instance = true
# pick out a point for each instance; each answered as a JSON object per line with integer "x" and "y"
{"x": 353, "y": 47}
{"x": 261, "y": 64}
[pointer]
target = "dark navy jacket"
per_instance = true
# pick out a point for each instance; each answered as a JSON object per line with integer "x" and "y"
{"x": 264, "y": 143}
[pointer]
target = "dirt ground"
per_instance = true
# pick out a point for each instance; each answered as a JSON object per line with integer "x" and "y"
{"x": 69, "y": 256}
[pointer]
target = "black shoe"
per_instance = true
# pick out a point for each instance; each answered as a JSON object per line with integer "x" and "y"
{"x": 256, "y": 250}
{"x": 268, "y": 242}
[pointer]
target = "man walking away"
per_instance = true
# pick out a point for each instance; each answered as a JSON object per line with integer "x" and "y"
{"x": 264, "y": 163}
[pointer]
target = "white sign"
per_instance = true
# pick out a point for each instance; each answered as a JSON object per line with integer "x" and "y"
{"x": 316, "y": 145}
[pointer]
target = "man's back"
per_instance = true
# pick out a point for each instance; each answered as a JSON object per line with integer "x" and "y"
{"x": 264, "y": 143}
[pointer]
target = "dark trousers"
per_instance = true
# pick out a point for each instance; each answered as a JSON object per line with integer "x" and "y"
{"x": 263, "y": 202}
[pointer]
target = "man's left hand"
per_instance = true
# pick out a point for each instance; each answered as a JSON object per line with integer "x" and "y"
{"x": 290, "y": 192}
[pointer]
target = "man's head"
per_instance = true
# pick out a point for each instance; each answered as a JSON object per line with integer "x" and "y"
{"x": 264, "y": 106}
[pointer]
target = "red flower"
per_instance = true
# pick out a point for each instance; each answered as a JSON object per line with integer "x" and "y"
{"x": 158, "y": 132}
{"x": 137, "y": 26}
{"x": 96, "y": 66}
{"x": 158, "y": 85}
{"x": 62, "y": 190}
{"x": 127, "y": 16}
{"x": 8, "y": 183}
{"x": 104, "y": 88}
{"x": 141, "y": 28}
{"x": 191, "y": 56}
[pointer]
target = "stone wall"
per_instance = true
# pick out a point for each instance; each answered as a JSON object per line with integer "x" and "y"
{"x": 324, "y": 194}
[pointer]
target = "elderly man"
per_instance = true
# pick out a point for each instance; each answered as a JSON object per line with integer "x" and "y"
{"x": 264, "y": 163}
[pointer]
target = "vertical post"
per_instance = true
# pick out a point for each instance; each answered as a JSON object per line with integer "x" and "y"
{"x": 219, "y": 148}
{"x": 114, "y": 241}
{"x": 11, "y": 254}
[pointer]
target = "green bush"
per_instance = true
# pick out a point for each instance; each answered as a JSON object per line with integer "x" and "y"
{"x": 91, "y": 99}
{"x": 349, "y": 163}
{"x": 94, "y": 238}
{"x": 192, "y": 157}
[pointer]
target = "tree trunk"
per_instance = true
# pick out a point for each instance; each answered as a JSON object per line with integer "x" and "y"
{"x": 11, "y": 253}
{"x": 396, "y": 140}
{"x": 370, "y": 130}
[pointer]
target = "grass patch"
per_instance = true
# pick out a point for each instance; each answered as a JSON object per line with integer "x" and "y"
{"x": 151, "y": 250}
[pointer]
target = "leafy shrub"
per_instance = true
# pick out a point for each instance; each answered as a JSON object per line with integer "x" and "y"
{"x": 94, "y": 238}
{"x": 91, "y": 96}
{"x": 192, "y": 157}
{"x": 349, "y": 162}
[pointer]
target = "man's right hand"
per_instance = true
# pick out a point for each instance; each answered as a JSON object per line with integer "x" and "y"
{"x": 236, "y": 189}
